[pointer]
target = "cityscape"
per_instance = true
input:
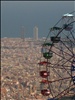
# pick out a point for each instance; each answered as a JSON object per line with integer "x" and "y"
{"x": 37, "y": 50}
{"x": 20, "y": 78}
{"x": 19, "y": 58}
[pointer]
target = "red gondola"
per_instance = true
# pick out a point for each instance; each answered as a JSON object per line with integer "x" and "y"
{"x": 44, "y": 74}
{"x": 43, "y": 63}
{"x": 45, "y": 92}
{"x": 44, "y": 81}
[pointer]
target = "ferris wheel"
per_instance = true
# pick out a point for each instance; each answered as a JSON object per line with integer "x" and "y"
{"x": 57, "y": 64}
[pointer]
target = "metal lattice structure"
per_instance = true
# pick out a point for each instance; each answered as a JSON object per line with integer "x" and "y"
{"x": 57, "y": 65}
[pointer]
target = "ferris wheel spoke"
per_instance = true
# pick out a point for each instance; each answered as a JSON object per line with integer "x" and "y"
{"x": 64, "y": 67}
{"x": 66, "y": 70}
{"x": 57, "y": 73}
{"x": 60, "y": 94}
{"x": 72, "y": 35}
{"x": 73, "y": 31}
{"x": 51, "y": 87}
{"x": 67, "y": 91}
{"x": 62, "y": 51}
{"x": 59, "y": 79}
{"x": 58, "y": 67}
{"x": 66, "y": 47}
{"x": 58, "y": 64}
{"x": 67, "y": 61}
{"x": 59, "y": 55}
{"x": 59, "y": 89}
{"x": 71, "y": 41}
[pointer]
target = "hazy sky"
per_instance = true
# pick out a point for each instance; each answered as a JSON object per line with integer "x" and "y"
{"x": 43, "y": 14}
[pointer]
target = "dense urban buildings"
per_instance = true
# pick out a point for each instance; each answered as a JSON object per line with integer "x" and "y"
{"x": 19, "y": 69}
{"x": 20, "y": 79}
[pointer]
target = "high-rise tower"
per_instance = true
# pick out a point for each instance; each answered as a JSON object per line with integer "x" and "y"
{"x": 35, "y": 32}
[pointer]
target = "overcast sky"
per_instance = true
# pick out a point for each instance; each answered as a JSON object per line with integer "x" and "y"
{"x": 43, "y": 14}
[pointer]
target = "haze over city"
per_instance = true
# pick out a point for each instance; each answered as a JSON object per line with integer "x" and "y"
{"x": 43, "y": 14}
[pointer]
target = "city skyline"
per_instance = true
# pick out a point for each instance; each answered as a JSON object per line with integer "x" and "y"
{"x": 35, "y": 33}
{"x": 43, "y": 14}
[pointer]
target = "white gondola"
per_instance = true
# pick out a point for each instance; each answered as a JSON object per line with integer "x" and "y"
{"x": 67, "y": 19}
